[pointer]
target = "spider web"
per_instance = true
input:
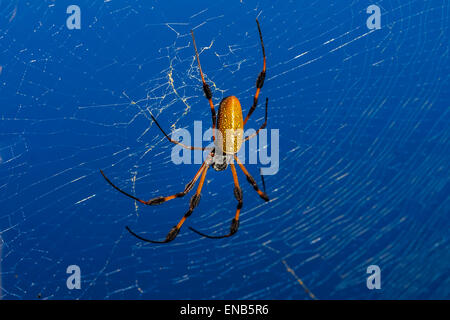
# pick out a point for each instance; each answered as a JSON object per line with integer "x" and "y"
{"x": 364, "y": 149}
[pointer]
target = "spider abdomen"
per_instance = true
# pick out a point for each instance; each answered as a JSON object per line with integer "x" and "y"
{"x": 230, "y": 125}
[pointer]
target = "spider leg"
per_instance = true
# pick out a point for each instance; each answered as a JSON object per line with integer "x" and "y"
{"x": 235, "y": 222}
{"x": 165, "y": 134}
{"x": 174, "y": 141}
{"x": 260, "y": 79}
{"x": 206, "y": 89}
{"x": 159, "y": 200}
{"x": 262, "y": 180}
{"x": 262, "y": 126}
{"x": 252, "y": 181}
{"x": 192, "y": 204}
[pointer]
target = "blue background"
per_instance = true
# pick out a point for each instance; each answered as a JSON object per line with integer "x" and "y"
{"x": 364, "y": 149}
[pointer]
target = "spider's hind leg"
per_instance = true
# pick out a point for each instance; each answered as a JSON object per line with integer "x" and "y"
{"x": 261, "y": 77}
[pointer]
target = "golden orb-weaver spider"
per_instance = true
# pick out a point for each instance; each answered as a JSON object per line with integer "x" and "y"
{"x": 229, "y": 118}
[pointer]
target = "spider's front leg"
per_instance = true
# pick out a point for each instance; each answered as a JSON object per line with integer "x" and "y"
{"x": 160, "y": 199}
{"x": 251, "y": 180}
{"x": 192, "y": 205}
{"x": 235, "y": 222}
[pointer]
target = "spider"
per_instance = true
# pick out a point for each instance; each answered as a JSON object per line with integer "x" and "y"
{"x": 229, "y": 119}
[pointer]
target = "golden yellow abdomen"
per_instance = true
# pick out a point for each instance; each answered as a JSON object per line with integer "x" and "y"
{"x": 230, "y": 126}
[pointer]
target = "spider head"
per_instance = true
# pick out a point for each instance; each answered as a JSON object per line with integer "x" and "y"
{"x": 220, "y": 161}
{"x": 220, "y": 166}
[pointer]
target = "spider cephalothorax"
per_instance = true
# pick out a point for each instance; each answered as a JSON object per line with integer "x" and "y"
{"x": 220, "y": 161}
{"x": 230, "y": 125}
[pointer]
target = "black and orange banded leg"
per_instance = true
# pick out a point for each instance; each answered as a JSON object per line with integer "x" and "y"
{"x": 192, "y": 204}
{"x": 235, "y": 222}
{"x": 159, "y": 200}
{"x": 250, "y": 179}
{"x": 262, "y": 126}
{"x": 165, "y": 134}
{"x": 206, "y": 89}
{"x": 174, "y": 141}
{"x": 260, "y": 79}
